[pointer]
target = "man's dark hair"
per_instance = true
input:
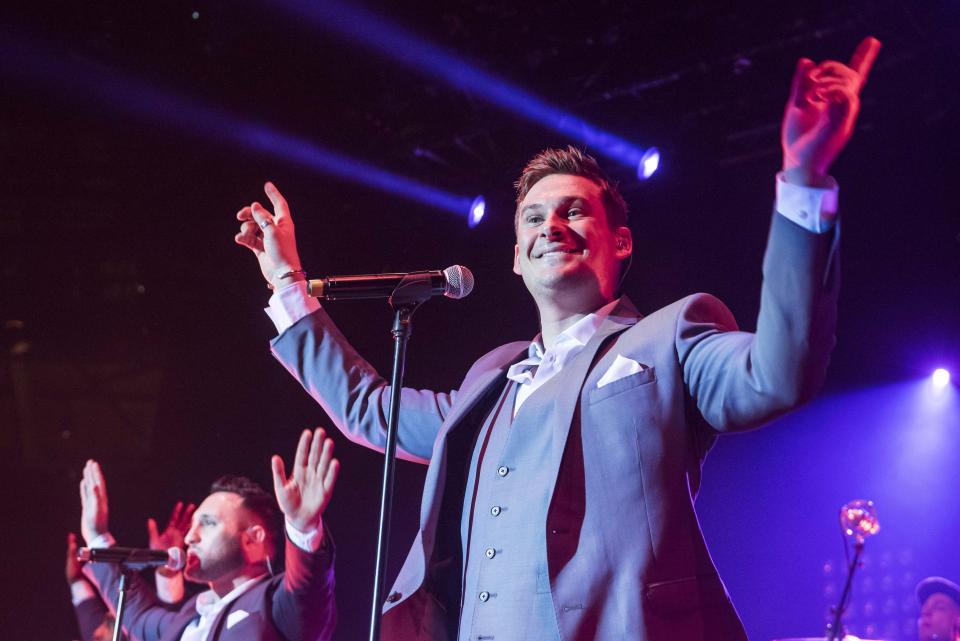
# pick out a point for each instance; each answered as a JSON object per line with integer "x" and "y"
{"x": 257, "y": 501}
{"x": 573, "y": 162}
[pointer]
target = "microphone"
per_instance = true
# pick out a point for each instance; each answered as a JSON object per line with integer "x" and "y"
{"x": 134, "y": 558}
{"x": 452, "y": 282}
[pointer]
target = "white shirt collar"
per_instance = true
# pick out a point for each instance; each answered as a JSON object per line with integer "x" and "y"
{"x": 209, "y": 602}
{"x": 568, "y": 344}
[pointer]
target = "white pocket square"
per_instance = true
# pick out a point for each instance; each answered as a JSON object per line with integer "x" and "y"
{"x": 622, "y": 366}
{"x": 236, "y": 617}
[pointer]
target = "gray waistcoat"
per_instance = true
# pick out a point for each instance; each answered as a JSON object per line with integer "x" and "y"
{"x": 506, "y": 587}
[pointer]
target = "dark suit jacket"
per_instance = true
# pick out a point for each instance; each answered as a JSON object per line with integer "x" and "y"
{"x": 295, "y": 605}
{"x": 626, "y": 558}
{"x": 90, "y": 614}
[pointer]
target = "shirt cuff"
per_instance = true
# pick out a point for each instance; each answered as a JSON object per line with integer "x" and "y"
{"x": 80, "y": 591}
{"x": 289, "y": 304}
{"x": 105, "y": 540}
{"x": 813, "y": 208}
{"x": 308, "y": 541}
{"x": 170, "y": 588}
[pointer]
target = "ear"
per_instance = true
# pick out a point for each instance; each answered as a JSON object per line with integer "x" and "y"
{"x": 254, "y": 540}
{"x": 516, "y": 260}
{"x": 624, "y": 247}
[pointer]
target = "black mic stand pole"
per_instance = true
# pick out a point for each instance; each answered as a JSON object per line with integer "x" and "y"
{"x": 835, "y": 629}
{"x": 121, "y": 602}
{"x": 409, "y": 295}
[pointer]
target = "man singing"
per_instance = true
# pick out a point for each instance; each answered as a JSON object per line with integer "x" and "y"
{"x": 230, "y": 544}
{"x": 558, "y": 502}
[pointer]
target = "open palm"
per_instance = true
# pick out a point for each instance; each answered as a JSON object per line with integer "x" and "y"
{"x": 304, "y": 495}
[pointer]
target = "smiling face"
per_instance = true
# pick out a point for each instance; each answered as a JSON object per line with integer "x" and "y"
{"x": 566, "y": 251}
{"x": 939, "y": 618}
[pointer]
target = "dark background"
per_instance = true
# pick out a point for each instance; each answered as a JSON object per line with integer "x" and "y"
{"x": 132, "y": 325}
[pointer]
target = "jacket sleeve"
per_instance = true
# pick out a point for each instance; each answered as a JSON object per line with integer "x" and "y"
{"x": 353, "y": 394}
{"x": 144, "y": 616}
{"x": 741, "y": 380}
{"x": 303, "y": 606}
{"x": 90, "y": 614}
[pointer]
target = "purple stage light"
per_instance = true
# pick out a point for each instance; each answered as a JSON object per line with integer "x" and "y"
{"x": 649, "y": 163}
{"x": 371, "y": 31}
{"x": 940, "y": 378}
{"x": 39, "y": 63}
{"x": 477, "y": 209}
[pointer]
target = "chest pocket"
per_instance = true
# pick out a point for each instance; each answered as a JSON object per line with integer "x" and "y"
{"x": 643, "y": 377}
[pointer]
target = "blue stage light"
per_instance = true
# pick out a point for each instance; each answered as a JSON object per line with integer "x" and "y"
{"x": 368, "y": 30}
{"x": 477, "y": 209}
{"x": 40, "y": 63}
{"x": 649, "y": 163}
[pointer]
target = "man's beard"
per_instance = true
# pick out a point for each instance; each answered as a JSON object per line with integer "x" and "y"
{"x": 228, "y": 559}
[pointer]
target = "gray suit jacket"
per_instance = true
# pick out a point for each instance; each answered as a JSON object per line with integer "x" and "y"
{"x": 626, "y": 557}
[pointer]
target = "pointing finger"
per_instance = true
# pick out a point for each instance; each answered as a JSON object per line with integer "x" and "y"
{"x": 279, "y": 202}
{"x": 801, "y": 81}
{"x": 863, "y": 57}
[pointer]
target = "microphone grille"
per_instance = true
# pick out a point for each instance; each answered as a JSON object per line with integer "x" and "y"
{"x": 175, "y": 560}
{"x": 459, "y": 281}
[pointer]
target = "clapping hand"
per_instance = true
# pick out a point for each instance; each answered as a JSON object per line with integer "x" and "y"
{"x": 72, "y": 569}
{"x": 304, "y": 495}
{"x": 173, "y": 535}
{"x": 821, "y": 111}
{"x": 94, "y": 509}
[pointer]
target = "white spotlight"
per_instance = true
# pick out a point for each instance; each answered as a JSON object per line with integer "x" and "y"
{"x": 940, "y": 378}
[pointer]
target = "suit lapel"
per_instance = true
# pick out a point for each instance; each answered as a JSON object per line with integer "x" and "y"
{"x": 481, "y": 385}
{"x": 187, "y": 613}
{"x": 217, "y": 626}
{"x": 572, "y": 377}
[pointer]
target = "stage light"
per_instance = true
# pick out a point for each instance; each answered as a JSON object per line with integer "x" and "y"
{"x": 33, "y": 62}
{"x": 649, "y": 163}
{"x": 477, "y": 208}
{"x": 371, "y": 31}
{"x": 940, "y": 378}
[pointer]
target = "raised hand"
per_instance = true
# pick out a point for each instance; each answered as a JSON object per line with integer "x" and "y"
{"x": 94, "y": 509}
{"x": 304, "y": 495}
{"x": 821, "y": 111}
{"x": 177, "y": 527}
{"x": 270, "y": 236}
{"x": 72, "y": 569}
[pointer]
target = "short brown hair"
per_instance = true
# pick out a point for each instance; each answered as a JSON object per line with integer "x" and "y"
{"x": 574, "y": 162}
{"x": 257, "y": 501}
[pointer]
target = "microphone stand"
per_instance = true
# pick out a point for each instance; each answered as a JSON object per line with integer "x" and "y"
{"x": 412, "y": 291}
{"x": 834, "y": 630}
{"x": 121, "y": 602}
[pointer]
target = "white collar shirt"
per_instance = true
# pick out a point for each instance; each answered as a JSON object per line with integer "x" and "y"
{"x": 542, "y": 365}
{"x": 209, "y": 605}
